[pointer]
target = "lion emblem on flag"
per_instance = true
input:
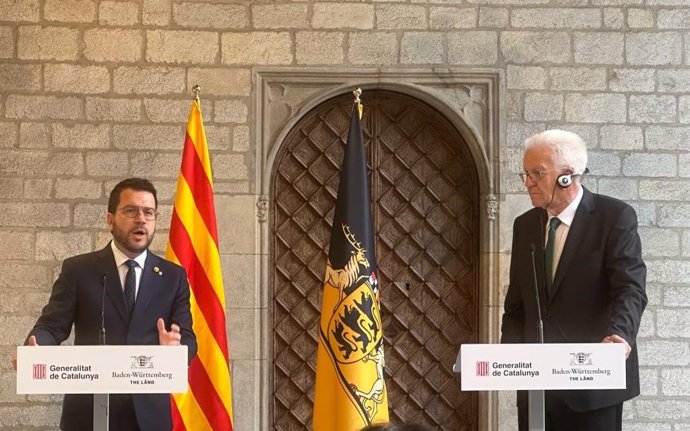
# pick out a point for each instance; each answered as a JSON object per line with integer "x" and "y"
{"x": 355, "y": 337}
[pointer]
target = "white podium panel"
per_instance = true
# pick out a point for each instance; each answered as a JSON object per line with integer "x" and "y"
{"x": 495, "y": 367}
{"x": 101, "y": 369}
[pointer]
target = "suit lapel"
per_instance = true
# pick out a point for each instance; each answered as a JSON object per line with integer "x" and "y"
{"x": 106, "y": 266}
{"x": 576, "y": 234}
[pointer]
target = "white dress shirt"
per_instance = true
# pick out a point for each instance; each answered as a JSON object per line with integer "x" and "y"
{"x": 121, "y": 258}
{"x": 566, "y": 217}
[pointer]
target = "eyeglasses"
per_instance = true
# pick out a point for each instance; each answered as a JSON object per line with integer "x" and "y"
{"x": 534, "y": 175}
{"x": 132, "y": 211}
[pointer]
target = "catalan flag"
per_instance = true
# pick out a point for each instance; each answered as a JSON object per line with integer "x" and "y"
{"x": 193, "y": 243}
{"x": 350, "y": 392}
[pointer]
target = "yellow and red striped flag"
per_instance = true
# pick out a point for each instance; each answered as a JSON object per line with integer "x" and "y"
{"x": 193, "y": 243}
{"x": 350, "y": 391}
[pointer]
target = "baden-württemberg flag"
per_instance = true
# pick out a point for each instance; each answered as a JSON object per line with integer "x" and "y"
{"x": 193, "y": 243}
{"x": 350, "y": 391}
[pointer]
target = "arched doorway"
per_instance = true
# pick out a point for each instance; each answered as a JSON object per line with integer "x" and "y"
{"x": 426, "y": 217}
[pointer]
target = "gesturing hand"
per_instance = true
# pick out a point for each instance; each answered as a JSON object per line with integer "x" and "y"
{"x": 618, "y": 339}
{"x": 32, "y": 342}
{"x": 168, "y": 338}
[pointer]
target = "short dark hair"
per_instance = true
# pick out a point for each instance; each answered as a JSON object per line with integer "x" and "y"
{"x": 138, "y": 184}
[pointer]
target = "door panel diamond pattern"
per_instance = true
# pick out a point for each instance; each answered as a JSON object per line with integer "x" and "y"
{"x": 425, "y": 209}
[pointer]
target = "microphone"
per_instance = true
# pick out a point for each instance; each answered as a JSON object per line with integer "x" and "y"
{"x": 536, "y": 401}
{"x": 101, "y": 335}
{"x": 540, "y": 323}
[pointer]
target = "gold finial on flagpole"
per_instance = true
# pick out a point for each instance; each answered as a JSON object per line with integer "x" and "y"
{"x": 196, "y": 90}
{"x": 357, "y": 92}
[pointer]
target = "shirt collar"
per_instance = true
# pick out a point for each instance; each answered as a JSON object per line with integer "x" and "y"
{"x": 568, "y": 214}
{"x": 121, "y": 258}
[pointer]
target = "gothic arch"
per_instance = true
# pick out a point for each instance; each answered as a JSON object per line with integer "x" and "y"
{"x": 299, "y": 95}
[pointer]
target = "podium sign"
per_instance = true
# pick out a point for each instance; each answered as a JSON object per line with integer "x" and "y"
{"x": 101, "y": 369}
{"x": 495, "y": 367}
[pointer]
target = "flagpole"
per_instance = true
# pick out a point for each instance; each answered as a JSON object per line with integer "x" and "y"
{"x": 196, "y": 90}
{"x": 357, "y": 92}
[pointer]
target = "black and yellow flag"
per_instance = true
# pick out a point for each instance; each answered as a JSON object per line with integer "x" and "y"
{"x": 350, "y": 391}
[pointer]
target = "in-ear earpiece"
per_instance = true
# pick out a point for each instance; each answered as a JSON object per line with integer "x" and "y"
{"x": 564, "y": 180}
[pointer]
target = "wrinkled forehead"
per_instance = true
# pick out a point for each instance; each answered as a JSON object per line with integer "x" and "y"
{"x": 539, "y": 158}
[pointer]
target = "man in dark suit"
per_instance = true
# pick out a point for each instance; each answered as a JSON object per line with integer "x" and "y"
{"x": 591, "y": 277}
{"x": 144, "y": 300}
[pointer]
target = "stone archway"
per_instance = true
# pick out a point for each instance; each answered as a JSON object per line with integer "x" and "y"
{"x": 426, "y": 210}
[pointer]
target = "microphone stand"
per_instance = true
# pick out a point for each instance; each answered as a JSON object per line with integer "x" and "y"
{"x": 101, "y": 335}
{"x": 101, "y": 402}
{"x": 540, "y": 323}
{"x": 536, "y": 407}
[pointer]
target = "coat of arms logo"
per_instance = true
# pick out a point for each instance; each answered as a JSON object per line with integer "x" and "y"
{"x": 141, "y": 361}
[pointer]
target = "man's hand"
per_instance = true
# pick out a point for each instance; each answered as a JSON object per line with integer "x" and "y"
{"x": 168, "y": 338}
{"x": 32, "y": 342}
{"x": 618, "y": 339}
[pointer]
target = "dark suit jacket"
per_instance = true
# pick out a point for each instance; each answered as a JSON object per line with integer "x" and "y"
{"x": 599, "y": 288}
{"x": 76, "y": 300}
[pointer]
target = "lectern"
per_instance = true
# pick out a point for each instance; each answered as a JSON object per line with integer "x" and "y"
{"x": 101, "y": 370}
{"x": 540, "y": 367}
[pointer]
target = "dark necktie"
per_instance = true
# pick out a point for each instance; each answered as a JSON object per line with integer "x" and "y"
{"x": 130, "y": 285}
{"x": 548, "y": 255}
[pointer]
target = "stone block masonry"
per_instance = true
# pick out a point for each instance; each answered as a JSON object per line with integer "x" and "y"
{"x": 95, "y": 91}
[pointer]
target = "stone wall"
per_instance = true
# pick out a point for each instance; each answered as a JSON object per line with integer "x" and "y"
{"x": 92, "y": 91}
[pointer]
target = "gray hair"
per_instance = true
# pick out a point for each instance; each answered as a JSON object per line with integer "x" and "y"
{"x": 569, "y": 149}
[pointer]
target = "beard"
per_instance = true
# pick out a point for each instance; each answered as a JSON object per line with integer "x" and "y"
{"x": 136, "y": 240}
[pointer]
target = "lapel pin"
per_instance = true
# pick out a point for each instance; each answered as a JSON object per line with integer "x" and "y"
{"x": 157, "y": 270}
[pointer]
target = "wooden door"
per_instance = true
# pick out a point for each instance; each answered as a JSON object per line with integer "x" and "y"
{"x": 425, "y": 208}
